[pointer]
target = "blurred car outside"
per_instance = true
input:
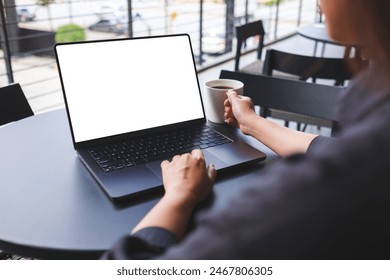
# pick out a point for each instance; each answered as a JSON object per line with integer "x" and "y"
{"x": 24, "y": 14}
{"x": 112, "y": 24}
{"x": 112, "y": 18}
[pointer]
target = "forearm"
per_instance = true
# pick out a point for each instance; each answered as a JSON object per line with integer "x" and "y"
{"x": 170, "y": 213}
{"x": 280, "y": 139}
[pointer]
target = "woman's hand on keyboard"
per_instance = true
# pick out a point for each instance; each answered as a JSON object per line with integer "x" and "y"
{"x": 187, "y": 178}
{"x": 187, "y": 181}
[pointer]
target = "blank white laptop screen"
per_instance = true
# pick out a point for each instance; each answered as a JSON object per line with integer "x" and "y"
{"x": 120, "y": 86}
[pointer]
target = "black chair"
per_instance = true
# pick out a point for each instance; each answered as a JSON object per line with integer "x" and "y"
{"x": 244, "y": 32}
{"x": 306, "y": 67}
{"x": 13, "y": 104}
{"x": 13, "y": 107}
{"x": 298, "y": 97}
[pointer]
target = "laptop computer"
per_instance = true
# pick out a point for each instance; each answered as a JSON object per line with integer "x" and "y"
{"x": 121, "y": 93}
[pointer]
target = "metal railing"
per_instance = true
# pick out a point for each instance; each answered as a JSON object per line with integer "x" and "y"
{"x": 29, "y": 28}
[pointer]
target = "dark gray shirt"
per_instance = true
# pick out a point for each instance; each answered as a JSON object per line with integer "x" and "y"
{"x": 331, "y": 203}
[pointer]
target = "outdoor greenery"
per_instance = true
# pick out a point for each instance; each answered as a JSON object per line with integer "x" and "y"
{"x": 44, "y": 2}
{"x": 272, "y": 2}
{"x": 70, "y": 33}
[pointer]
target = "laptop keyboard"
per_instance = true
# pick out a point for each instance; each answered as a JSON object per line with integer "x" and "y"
{"x": 149, "y": 148}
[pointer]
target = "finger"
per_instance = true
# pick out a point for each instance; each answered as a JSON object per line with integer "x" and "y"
{"x": 164, "y": 164}
{"x": 175, "y": 158}
{"x": 229, "y": 118}
{"x": 232, "y": 96}
{"x": 228, "y": 110}
{"x": 211, "y": 172}
{"x": 233, "y": 122}
{"x": 197, "y": 153}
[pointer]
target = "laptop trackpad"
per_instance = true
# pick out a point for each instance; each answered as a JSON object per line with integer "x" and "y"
{"x": 130, "y": 180}
{"x": 210, "y": 158}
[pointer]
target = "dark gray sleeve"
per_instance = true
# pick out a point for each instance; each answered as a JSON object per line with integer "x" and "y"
{"x": 331, "y": 203}
{"x": 146, "y": 243}
{"x": 318, "y": 141}
{"x": 328, "y": 204}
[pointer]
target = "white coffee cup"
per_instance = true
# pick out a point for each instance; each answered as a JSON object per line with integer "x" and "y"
{"x": 215, "y": 95}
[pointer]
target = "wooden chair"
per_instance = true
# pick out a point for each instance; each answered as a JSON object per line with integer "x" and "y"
{"x": 13, "y": 104}
{"x": 298, "y": 97}
{"x": 244, "y": 32}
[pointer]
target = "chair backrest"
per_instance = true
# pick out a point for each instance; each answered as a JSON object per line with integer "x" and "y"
{"x": 13, "y": 104}
{"x": 308, "y": 99}
{"x": 246, "y": 31}
{"x": 306, "y": 67}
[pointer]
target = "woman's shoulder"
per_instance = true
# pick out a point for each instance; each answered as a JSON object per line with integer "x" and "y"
{"x": 366, "y": 96}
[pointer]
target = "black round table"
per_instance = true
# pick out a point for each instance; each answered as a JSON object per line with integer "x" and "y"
{"x": 319, "y": 33}
{"x": 52, "y": 208}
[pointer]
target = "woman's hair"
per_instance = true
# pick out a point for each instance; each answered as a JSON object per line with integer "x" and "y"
{"x": 371, "y": 20}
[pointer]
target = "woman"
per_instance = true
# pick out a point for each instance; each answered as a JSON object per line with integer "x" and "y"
{"x": 335, "y": 203}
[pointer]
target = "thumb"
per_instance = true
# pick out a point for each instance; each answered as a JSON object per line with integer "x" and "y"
{"x": 211, "y": 172}
{"x": 232, "y": 95}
